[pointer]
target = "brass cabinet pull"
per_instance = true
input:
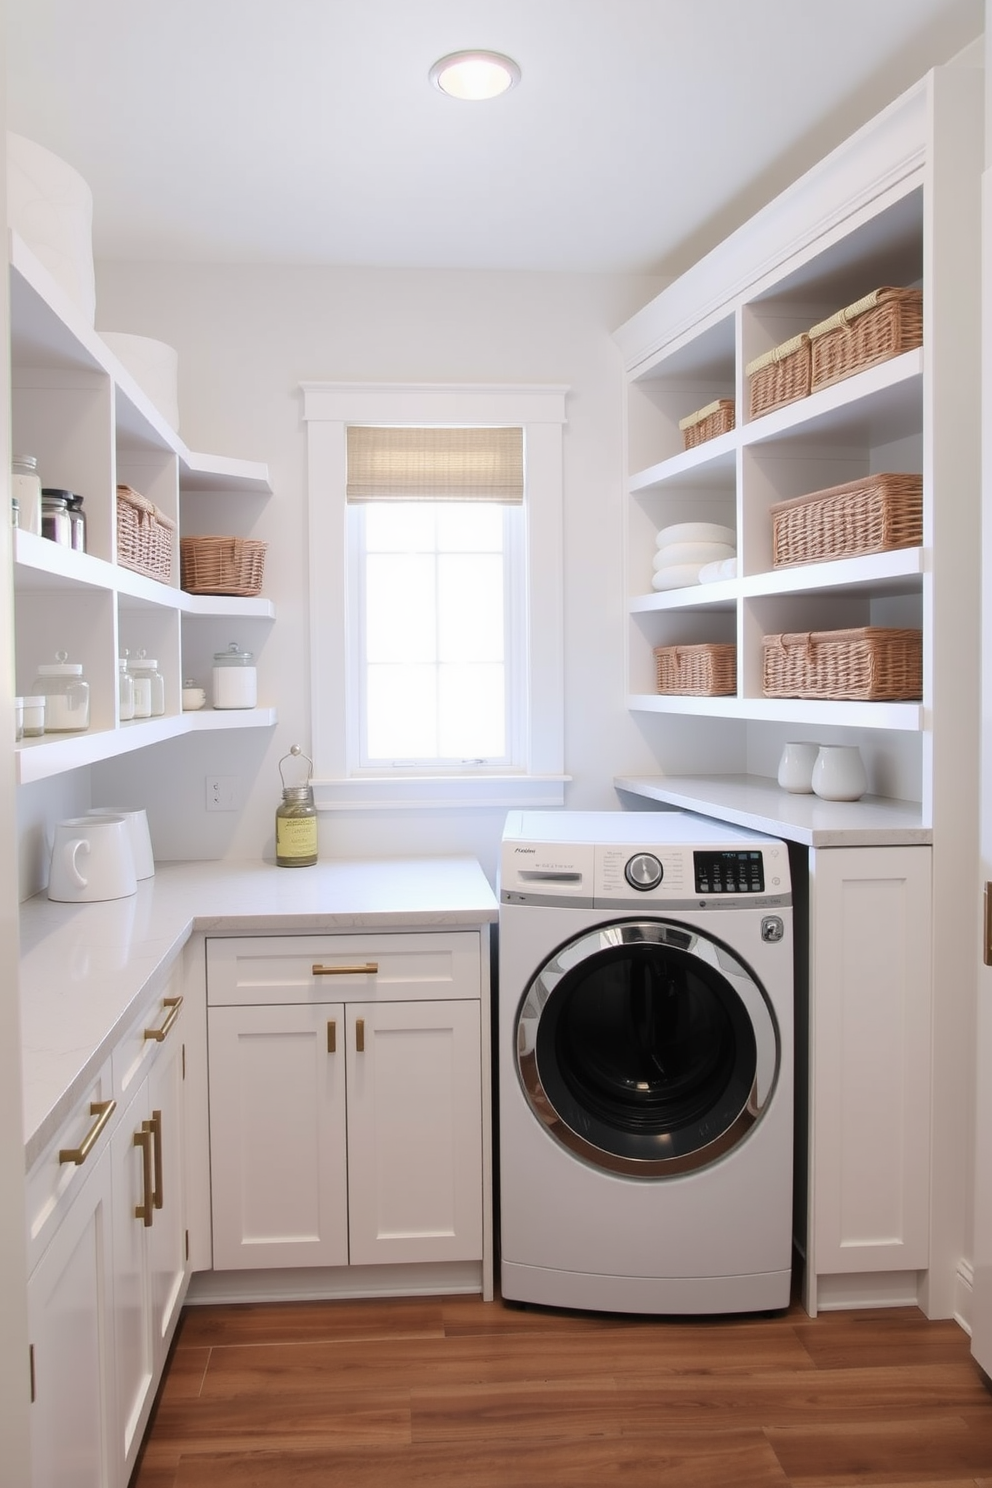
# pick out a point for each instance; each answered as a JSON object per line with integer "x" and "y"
{"x": 332, "y": 1036}
{"x": 155, "y": 1127}
{"x": 360, "y": 968}
{"x": 987, "y": 947}
{"x": 143, "y": 1139}
{"x": 360, "y": 1035}
{"x": 103, "y": 1110}
{"x": 174, "y": 1004}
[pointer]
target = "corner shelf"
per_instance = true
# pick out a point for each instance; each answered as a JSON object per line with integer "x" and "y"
{"x": 82, "y": 413}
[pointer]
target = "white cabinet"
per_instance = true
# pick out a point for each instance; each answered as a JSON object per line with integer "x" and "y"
{"x": 77, "y": 409}
{"x": 70, "y": 1301}
{"x": 107, "y": 1248}
{"x": 149, "y": 1238}
{"x": 870, "y": 1014}
{"x": 347, "y": 1117}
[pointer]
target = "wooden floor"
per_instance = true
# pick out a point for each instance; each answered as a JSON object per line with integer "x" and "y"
{"x": 459, "y": 1393}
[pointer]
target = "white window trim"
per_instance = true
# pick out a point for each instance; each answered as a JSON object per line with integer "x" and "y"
{"x": 328, "y": 408}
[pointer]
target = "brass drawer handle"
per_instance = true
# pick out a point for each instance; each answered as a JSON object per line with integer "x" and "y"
{"x": 143, "y": 1139}
{"x": 155, "y": 1127}
{"x": 174, "y": 1004}
{"x": 360, "y": 968}
{"x": 103, "y": 1110}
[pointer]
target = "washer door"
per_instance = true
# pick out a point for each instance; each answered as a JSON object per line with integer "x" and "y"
{"x": 646, "y": 1048}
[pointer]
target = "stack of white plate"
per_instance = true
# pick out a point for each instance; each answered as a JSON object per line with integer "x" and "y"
{"x": 51, "y": 206}
{"x": 686, "y": 548}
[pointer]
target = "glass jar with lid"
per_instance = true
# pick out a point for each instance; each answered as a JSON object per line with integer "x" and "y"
{"x": 26, "y": 491}
{"x": 66, "y": 693}
{"x": 125, "y": 691}
{"x": 235, "y": 680}
{"x": 296, "y": 818}
{"x": 149, "y": 686}
{"x": 56, "y": 523}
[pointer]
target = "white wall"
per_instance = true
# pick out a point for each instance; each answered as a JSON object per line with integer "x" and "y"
{"x": 246, "y": 338}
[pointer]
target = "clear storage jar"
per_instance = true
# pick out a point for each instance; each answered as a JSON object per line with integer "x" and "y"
{"x": 56, "y": 523}
{"x": 149, "y": 687}
{"x": 66, "y": 693}
{"x": 125, "y": 691}
{"x": 235, "y": 680}
{"x": 26, "y": 491}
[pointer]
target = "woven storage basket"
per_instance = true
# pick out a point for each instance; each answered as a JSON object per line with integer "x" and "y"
{"x": 884, "y": 324}
{"x": 708, "y": 670}
{"x": 146, "y": 537}
{"x": 778, "y": 376}
{"x": 871, "y": 664}
{"x": 871, "y": 515}
{"x": 222, "y": 565}
{"x": 706, "y": 423}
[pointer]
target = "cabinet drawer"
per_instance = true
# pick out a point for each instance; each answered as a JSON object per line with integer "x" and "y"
{"x": 56, "y": 1178}
{"x": 343, "y": 968}
{"x": 136, "y": 1051}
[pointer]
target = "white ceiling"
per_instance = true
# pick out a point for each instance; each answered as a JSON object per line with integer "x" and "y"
{"x": 306, "y": 131}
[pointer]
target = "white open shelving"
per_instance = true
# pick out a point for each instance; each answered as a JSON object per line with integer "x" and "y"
{"x": 81, "y": 413}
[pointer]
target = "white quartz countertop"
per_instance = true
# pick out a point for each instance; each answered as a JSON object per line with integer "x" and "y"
{"x": 760, "y": 804}
{"x": 86, "y": 967}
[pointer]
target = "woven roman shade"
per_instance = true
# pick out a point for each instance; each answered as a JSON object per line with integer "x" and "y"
{"x": 388, "y": 463}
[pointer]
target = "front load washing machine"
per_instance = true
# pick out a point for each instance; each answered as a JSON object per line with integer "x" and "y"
{"x": 645, "y": 1063}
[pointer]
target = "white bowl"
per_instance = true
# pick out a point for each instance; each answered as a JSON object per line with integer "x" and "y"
{"x": 51, "y": 207}
{"x": 682, "y": 532}
{"x": 193, "y": 698}
{"x": 678, "y": 576}
{"x": 154, "y": 365}
{"x": 692, "y": 552}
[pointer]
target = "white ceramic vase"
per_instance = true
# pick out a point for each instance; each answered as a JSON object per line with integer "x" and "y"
{"x": 795, "y": 768}
{"x": 839, "y": 773}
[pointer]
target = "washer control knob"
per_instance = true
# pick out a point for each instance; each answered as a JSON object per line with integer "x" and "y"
{"x": 643, "y": 872}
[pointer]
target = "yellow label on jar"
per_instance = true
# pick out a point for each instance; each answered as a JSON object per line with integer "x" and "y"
{"x": 296, "y": 837}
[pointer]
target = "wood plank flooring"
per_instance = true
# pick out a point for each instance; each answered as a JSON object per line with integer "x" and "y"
{"x": 453, "y": 1392}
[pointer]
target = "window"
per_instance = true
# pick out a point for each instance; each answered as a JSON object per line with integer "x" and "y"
{"x": 435, "y": 621}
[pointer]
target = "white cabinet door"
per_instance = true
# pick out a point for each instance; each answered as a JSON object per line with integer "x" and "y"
{"x": 414, "y": 1132}
{"x": 149, "y": 1229}
{"x": 870, "y": 955}
{"x": 168, "y": 1263}
{"x": 71, "y": 1329}
{"x": 277, "y": 1136}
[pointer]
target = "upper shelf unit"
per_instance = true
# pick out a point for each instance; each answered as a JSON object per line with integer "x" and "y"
{"x": 897, "y": 205}
{"x": 91, "y": 427}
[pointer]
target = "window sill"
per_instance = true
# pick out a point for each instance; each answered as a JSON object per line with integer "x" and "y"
{"x": 440, "y": 792}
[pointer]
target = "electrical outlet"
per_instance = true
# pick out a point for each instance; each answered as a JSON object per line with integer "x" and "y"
{"x": 224, "y": 793}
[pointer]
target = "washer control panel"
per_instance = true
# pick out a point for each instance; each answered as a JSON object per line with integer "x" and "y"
{"x": 729, "y": 872}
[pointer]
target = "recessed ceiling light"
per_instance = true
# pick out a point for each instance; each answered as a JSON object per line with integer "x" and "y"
{"x": 474, "y": 76}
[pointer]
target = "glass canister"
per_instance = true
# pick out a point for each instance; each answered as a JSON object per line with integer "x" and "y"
{"x": 296, "y": 818}
{"x": 149, "y": 686}
{"x": 66, "y": 693}
{"x": 235, "y": 680}
{"x": 55, "y": 521}
{"x": 125, "y": 691}
{"x": 26, "y": 491}
{"x": 77, "y": 524}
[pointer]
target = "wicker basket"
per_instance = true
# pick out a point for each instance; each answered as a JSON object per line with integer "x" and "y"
{"x": 146, "y": 537}
{"x": 222, "y": 565}
{"x": 871, "y": 664}
{"x": 873, "y": 515}
{"x": 884, "y": 324}
{"x": 706, "y": 423}
{"x": 778, "y": 376}
{"x": 708, "y": 670}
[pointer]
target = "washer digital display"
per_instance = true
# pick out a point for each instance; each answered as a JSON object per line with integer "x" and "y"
{"x": 729, "y": 872}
